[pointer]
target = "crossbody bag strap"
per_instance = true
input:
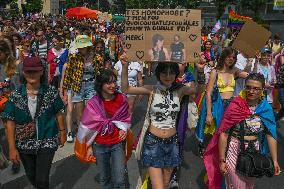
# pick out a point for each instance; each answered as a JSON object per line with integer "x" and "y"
{"x": 150, "y": 100}
{"x": 242, "y": 134}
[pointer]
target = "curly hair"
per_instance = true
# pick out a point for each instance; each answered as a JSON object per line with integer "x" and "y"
{"x": 256, "y": 77}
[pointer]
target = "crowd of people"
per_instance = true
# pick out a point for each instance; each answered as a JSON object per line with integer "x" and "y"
{"x": 54, "y": 70}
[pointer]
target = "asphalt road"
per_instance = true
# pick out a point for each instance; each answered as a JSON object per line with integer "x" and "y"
{"x": 69, "y": 173}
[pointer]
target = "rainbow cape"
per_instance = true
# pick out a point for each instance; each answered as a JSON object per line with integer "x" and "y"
{"x": 237, "y": 21}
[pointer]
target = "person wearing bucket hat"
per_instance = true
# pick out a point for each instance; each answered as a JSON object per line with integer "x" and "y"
{"x": 80, "y": 73}
{"x": 83, "y": 41}
{"x": 34, "y": 137}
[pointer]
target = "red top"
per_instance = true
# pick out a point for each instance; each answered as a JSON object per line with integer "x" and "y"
{"x": 111, "y": 107}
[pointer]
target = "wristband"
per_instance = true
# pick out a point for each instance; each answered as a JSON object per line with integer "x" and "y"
{"x": 222, "y": 160}
{"x": 62, "y": 130}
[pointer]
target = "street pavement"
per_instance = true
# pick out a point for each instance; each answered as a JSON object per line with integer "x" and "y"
{"x": 68, "y": 173}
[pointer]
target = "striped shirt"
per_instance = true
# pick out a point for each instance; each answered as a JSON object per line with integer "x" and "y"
{"x": 41, "y": 49}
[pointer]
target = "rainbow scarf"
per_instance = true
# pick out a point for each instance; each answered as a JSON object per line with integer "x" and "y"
{"x": 236, "y": 112}
{"x": 236, "y": 21}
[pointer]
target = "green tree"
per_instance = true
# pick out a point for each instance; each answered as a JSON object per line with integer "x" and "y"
{"x": 118, "y": 7}
{"x": 154, "y": 4}
{"x": 14, "y": 9}
{"x": 104, "y": 5}
{"x": 3, "y": 3}
{"x": 34, "y": 6}
{"x": 71, "y": 3}
{"x": 221, "y": 5}
{"x": 255, "y": 6}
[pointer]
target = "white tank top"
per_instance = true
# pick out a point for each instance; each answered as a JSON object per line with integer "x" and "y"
{"x": 164, "y": 110}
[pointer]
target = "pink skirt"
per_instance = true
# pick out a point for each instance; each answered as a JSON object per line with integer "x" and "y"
{"x": 232, "y": 178}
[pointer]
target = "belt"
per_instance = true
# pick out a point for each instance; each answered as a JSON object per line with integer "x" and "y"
{"x": 169, "y": 140}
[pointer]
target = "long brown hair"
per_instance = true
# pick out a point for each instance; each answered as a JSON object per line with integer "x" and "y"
{"x": 226, "y": 52}
{"x": 10, "y": 62}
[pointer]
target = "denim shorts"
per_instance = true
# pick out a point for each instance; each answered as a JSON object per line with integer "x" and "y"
{"x": 86, "y": 93}
{"x": 160, "y": 153}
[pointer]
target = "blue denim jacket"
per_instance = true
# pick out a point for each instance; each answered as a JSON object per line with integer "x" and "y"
{"x": 49, "y": 104}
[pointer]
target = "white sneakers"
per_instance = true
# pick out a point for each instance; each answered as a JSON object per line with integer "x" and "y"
{"x": 69, "y": 137}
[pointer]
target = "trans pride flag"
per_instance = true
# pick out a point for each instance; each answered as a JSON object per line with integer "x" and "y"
{"x": 217, "y": 27}
{"x": 237, "y": 21}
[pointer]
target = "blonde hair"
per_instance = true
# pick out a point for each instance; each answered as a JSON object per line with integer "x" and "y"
{"x": 10, "y": 62}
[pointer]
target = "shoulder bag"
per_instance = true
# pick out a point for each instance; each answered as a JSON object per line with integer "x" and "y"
{"x": 147, "y": 123}
{"x": 250, "y": 162}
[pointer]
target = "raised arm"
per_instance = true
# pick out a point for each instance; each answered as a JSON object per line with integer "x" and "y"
{"x": 143, "y": 90}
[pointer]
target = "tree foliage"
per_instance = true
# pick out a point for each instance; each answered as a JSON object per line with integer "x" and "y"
{"x": 154, "y": 4}
{"x": 34, "y": 6}
{"x": 3, "y": 3}
{"x": 71, "y": 3}
{"x": 221, "y": 5}
{"x": 254, "y": 5}
{"x": 118, "y": 7}
{"x": 14, "y": 9}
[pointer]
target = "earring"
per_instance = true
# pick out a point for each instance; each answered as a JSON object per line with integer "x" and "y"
{"x": 243, "y": 94}
{"x": 262, "y": 95}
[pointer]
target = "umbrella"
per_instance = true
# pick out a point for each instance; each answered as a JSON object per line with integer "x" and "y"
{"x": 81, "y": 12}
{"x": 118, "y": 18}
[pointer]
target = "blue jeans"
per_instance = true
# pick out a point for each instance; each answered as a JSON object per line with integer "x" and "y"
{"x": 111, "y": 164}
{"x": 281, "y": 100}
{"x": 86, "y": 92}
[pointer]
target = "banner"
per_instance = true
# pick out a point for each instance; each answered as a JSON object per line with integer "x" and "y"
{"x": 251, "y": 38}
{"x": 237, "y": 21}
{"x": 163, "y": 34}
{"x": 278, "y": 5}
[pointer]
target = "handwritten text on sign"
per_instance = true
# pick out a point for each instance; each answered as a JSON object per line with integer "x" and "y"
{"x": 163, "y": 34}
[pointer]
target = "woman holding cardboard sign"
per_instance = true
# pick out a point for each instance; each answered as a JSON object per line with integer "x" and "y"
{"x": 159, "y": 138}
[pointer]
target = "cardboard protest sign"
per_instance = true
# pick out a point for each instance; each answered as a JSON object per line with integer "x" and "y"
{"x": 163, "y": 34}
{"x": 251, "y": 38}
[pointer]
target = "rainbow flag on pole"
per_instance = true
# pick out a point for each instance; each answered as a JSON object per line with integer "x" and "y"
{"x": 237, "y": 21}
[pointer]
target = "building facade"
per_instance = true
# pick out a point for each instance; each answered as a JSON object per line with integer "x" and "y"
{"x": 53, "y": 6}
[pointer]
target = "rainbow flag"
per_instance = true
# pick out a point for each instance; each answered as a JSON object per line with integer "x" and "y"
{"x": 236, "y": 21}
